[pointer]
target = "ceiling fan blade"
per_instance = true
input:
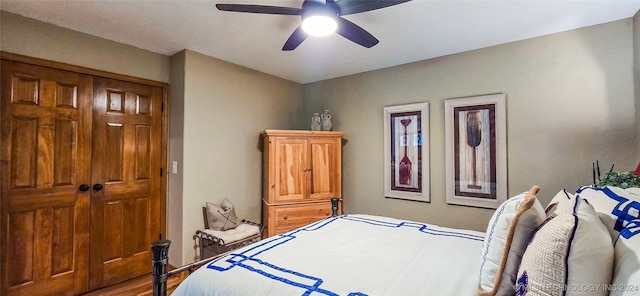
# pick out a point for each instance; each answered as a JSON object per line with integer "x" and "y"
{"x": 355, "y": 33}
{"x": 295, "y": 39}
{"x": 357, "y": 6}
{"x": 259, "y": 9}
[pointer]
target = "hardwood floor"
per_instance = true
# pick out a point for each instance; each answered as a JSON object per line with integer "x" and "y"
{"x": 140, "y": 286}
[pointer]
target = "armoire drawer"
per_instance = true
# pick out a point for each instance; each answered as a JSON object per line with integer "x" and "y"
{"x": 285, "y": 218}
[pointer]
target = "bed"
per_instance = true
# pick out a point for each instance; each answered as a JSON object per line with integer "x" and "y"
{"x": 348, "y": 255}
{"x": 581, "y": 243}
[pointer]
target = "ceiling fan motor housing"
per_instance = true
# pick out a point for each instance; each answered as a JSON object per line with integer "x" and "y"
{"x": 313, "y": 8}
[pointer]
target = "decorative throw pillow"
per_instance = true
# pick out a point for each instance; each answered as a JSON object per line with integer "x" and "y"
{"x": 508, "y": 233}
{"x": 626, "y": 269}
{"x": 615, "y": 206}
{"x": 570, "y": 254}
{"x": 221, "y": 217}
{"x": 619, "y": 210}
{"x": 560, "y": 196}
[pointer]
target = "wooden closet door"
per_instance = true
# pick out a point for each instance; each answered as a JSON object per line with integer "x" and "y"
{"x": 126, "y": 179}
{"x": 45, "y": 158}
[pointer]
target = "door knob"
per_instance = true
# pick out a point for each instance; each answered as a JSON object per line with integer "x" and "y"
{"x": 97, "y": 187}
{"x": 83, "y": 187}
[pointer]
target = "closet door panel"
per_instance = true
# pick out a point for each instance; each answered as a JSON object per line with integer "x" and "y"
{"x": 64, "y": 149}
{"x": 125, "y": 212}
{"x": 45, "y": 157}
{"x": 24, "y": 152}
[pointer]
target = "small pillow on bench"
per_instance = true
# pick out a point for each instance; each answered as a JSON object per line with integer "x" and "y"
{"x": 222, "y": 217}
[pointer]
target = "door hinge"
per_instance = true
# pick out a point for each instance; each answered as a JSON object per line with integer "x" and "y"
{"x": 160, "y": 172}
{"x": 162, "y": 107}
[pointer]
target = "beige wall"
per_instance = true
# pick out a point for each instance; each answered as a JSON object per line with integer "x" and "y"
{"x": 225, "y": 109}
{"x": 216, "y": 109}
{"x": 41, "y": 40}
{"x": 569, "y": 102}
{"x": 175, "y": 213}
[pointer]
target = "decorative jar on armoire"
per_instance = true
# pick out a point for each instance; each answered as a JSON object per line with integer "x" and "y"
{"x": 326, "y": 120}
{"x": 301, "y": 174}
{"x": 316, "y": 123}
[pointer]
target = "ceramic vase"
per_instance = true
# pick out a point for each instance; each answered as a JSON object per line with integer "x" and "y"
{"x": 326, "y": 120}
{"x": 316, "y": 124}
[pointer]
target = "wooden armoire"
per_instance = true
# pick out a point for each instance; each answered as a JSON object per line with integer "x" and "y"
{"x": 81, "y": 154}
{"x": 302, "y": 172}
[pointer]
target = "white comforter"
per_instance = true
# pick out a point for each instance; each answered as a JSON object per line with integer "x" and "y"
{"x": 348, "y": 255}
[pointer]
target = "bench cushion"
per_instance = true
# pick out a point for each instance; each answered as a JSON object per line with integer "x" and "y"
{"x": 230, "y": 236}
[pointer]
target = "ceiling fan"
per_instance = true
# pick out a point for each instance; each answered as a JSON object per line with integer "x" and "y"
{"x": 323, "y": 16}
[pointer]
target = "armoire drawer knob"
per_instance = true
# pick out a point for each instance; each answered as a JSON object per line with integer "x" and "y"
{"x": 83, "y": 187}
{"x": 285, "y": 217}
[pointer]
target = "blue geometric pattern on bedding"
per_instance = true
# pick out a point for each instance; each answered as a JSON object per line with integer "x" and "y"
{"x": 247, "y": 259}
{"x": 424, "y": 228}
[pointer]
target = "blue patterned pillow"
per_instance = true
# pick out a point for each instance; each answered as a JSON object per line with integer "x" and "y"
{"x": 619, "y": 210}
{"x": 616, "y": 207}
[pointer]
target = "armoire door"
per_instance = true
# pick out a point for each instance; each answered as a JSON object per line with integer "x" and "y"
{"x": 125, "y": 179}
{"x": 45, "y": 172}
{"x": 291, "y": 169}
{"x": 324, "y": 159}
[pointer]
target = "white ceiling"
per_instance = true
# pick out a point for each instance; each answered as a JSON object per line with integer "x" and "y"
{"x": 408, "y": 32}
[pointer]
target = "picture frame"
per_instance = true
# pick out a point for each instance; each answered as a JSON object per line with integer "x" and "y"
{"x": 475, "y": 151}
{"x": 406, "y": 152}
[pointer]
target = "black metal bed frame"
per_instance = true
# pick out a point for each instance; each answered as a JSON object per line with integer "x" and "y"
{"x": 161, "y": 274}
{"x": 160, "y": 251}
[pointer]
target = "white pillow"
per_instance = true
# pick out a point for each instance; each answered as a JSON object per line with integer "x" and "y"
{"x": 508, "y": 232}
{"x": 626, "y": 271}
{"x": 570, "y": 254}
{"x": 618, "y": 209}
{"x": 560, "y": 196}
{"x": 221, "y": 217}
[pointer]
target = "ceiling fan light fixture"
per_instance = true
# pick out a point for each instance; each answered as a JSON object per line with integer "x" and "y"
{"x": 319, "y": 25}
{"x": 321, "y": 18}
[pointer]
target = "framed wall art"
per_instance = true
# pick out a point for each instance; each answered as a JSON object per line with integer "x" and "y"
{"x": 406, "y": 152}
{"x": 476, "y": 153}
